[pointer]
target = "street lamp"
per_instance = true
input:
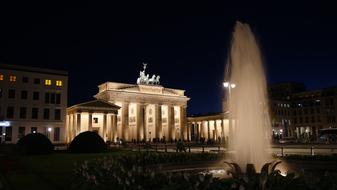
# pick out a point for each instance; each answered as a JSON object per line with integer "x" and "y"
{"x": 49, "y": 130}
{"x": 229, "y": 86}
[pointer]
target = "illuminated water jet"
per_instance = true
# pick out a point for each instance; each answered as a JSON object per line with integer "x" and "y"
{"x": 248, "y": 102}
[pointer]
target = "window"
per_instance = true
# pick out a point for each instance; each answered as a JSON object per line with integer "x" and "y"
{"x": 23, "y": 113}
{"x": 10, "y": 112}
{"x": 46, "y": 98}
{"x": 36, "y": 95}
{"x": 8, "y": 136}
{"x": 21, "y": 132}
{"x": 35, "y": 113}
{"x": 58, "y": 98}
{"x": 95, "y": 120}
{"x": 57, "y": 114}
{"x": 37, "y": 81}
{"x": 24, "y": 95}
{"x": 58, "y": 83}
{"x": 12, "y": 78}
{"x": 11, "y": 93}
{"x": 47, "y": 82}
{"x": 33, "y": 129}
{"x": 46, "y": 113}
{"x": 56, "y": 134}
{"x": 52, "y": 98}
{"x": 1, "y": 77}
{"x": 24, "y": 79}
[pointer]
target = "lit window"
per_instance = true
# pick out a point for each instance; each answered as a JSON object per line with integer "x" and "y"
{"x": 1, "y": 77}
{"x": 12, "y": 78}
{"x": 47, "y": 82}
{"x": 58, "y": 83}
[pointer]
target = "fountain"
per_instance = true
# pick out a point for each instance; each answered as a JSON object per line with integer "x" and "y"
{"x": 248, "y": 102}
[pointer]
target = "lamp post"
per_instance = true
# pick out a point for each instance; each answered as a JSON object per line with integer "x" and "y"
{"x": 49, "y": 130}
{"x": 229, "y": 86}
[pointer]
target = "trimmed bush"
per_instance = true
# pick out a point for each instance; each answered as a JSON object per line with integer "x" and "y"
{"x": 35, "y": 143}
{"x": 87, "y": 142}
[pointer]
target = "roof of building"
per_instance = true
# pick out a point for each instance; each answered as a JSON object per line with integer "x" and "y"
{"x": 33, "y": 69}
{"x": 95, "y": 105}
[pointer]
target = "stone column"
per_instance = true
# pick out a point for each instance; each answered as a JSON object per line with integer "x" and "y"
{"x": 170, "y": 122}
{"x": 125, "y": 120}
{"x": 74, "y": 124}
{"x": 140, "y": 121}
{"x": 208, "y": 130}
{"x": 104, "y": 126}
{"x": 114, "y": 127}
{"x": 222, "y": 129}
{"x": 183, "y": 127}
{"x": 78, "y": 123}
{"x": 90, "y": 121}
{"x": 158, "y": 124}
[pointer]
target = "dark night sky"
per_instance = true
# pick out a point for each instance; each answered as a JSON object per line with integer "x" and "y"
{"x": 186, "y": 43}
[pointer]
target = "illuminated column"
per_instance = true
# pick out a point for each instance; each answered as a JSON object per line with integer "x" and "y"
{"x": 78, "y": 123}
{"x": 90, "y": 121}
{"x": 222, "y": 129}
{"x": 208, "y": 130}
{"x": 201, "y": 129}
{"x": 104, "y": 126}
{"x": 125, "y": 120}
{"x": 140, "y": 121}
{"x": 170, "y": 121}
{"x": 114, "y": 127}
{"x": 67, "y": 129}
{"x": 74, "y": 124}
{"x": 158, "y": 124}
{"x": 183, "y": 127}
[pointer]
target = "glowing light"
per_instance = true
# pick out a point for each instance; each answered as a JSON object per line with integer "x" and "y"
{"x": 47, "y": 82}
{"x": 4, "y": 123}
{"x": 4, "y": 134}
{"x": 283, "y": 174}
{"x": 233, "y": 85}
{"x": 34, "y": 131}
{"x": 49, "y": 129}
{"x": 226, "y": 84}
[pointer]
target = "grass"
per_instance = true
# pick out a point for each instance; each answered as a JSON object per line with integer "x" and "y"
{"x": 37, "y": 172}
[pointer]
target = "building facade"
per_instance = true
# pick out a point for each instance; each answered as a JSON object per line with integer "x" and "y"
{"x": 145, "y": 111}
{"x": 32, "y": 100}
{"x": 209, "y": 127}
{"x": 98, "y": 116}
{"x": 302, "y": 113}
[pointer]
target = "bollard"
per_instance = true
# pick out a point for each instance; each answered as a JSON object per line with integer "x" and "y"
{"x": 218, "y": 149}
{"x": 138, "y": 147}
{"x": 165, "y": 148}
{"x": 312, "y": 151}
{"x": 189, "y": 148}
{"x": 282, "y": 152}
{"x": 203, "y": 149}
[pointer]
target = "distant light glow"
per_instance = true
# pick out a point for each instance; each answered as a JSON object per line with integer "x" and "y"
{"x": 233, "y": 85}
{"x": 34, "y": 131}
{"x": 5, "y": 123}
{"x": 226, "y": 84}
{"x": 4, "y": 134}
{"x": 49, "y": 129}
